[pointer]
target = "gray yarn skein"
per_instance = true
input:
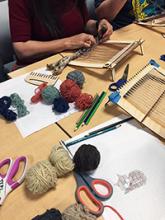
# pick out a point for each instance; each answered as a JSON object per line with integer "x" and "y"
{"x": 18, "y": 103}
{"x": 77, "y": 76}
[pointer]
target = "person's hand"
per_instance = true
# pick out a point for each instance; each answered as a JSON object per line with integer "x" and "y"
{"x": 79, "y": 41}
{"x": 104, "y": 24}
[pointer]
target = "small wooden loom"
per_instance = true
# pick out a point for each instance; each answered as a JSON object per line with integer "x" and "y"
{"x": 153, "y": 21}
{"x": 143, "y": 97}
{"x": 107, "y": 55}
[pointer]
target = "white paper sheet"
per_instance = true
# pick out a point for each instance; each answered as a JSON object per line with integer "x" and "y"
{"x": 123, "y": 150}
{"x": 41, "y": 115}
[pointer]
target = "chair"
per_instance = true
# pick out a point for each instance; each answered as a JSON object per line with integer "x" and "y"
{"x": 6, "y": 50}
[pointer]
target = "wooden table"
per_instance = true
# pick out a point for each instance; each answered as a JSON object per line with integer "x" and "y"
{"x": 22, "y": 205}
{"x": 98, "y": 80}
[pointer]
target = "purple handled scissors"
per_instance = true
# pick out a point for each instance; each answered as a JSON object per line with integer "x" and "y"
{"x": 7, "y": 182}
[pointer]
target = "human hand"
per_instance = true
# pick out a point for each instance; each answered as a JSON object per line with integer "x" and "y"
{"x": 104, "y": 24}
{"x": 79, "y": 41}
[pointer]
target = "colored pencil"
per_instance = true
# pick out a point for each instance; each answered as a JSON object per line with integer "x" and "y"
{"x": 90, "y": 136}
{"x": 85, "y": 114}
{"x": 95, "y": 107}
{"x": 111, "y": 125}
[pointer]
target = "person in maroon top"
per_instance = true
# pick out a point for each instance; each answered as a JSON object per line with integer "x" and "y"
{"x": 40, "y": 28}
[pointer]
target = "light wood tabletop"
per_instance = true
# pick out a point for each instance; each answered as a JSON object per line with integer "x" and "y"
{"x": 22, "y": 205}
{"x": 98, "y": 80}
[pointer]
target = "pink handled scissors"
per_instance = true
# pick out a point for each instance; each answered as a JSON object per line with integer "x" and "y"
{"x": 87, "y": 185}
{"x": 7, "y": 182}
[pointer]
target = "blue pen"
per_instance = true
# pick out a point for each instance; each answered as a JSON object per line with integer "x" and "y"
{"x": 91, "y": 136}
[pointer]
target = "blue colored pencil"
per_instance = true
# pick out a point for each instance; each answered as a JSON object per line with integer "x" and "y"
{"x": 86, "y": 137}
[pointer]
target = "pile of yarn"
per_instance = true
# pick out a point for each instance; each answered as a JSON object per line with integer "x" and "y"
{"x": 16, "y": 103}
{"x": 70, "y": 89}
{"x": 43, "y": 176}
{"x": 73, "y": 212}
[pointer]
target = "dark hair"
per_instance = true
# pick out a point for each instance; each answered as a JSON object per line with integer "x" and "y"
{"x": 44, "y": 10}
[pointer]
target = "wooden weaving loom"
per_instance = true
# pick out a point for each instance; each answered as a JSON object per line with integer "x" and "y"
{"x": 143, "y": 97}
{"x": 153, "y": 21}
{"x": 107, "y": 55}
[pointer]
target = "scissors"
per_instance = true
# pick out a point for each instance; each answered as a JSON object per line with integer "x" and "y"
{"x": 7, "y": 182}
{"x": 115, "y": 86}
{"x": 86, "y": 183}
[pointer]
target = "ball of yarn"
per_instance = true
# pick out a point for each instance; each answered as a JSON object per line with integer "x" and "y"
{"x": 76, "y": 76}
{"x": 5, "y": 103}
{"x": 49, "y": 94}
{"x": 9, "y": 115}
{"x": 77, "y": 212}
{"x": 61, "y": 160}
{"x": 70, "y": 90}
{"x": 18, "y": 103}
{"x": 84, "y": 101}
{"x": 51, "y": 214}
{"x": 41, "y": 177}
{"x": 86, "y": 158}
{"x": 60, "y": 105}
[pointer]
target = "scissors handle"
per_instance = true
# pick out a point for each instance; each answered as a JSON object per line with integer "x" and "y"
{"x": 7, "y": 161}
{"x": 105, "y": 184}
{"x": 97, "y": 203}
{"x": 115, "y": 86}
{"x": 13, "y": 171}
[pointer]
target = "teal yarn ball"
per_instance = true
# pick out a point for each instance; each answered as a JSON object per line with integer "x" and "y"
{"x": 49, "y": 94}
{"x": 76, "y": 76}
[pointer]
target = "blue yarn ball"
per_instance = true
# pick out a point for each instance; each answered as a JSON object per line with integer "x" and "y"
{"x": 76, "y": 76}
{"x": 5, "y": 102}
{"x": 60, "y": 105}
{"x": 10, "y": 115}
{"x": 49, "y": 94}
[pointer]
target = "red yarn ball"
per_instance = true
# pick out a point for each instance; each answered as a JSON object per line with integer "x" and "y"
{"x": 70, "y": 90}
{"x": 84, "y": 101}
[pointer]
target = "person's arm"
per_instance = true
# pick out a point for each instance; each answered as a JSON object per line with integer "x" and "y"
{"x": 34, "y": 49}
{"x": 109, "y": 9}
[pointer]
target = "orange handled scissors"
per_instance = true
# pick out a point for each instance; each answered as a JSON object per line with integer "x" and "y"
{"x": 87, "y": 184}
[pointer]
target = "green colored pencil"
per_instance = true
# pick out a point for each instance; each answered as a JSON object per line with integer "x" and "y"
{"x": 86, "y": 113}
{"x": 102, "y": 96}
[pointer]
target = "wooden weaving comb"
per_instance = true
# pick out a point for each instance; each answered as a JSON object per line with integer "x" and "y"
{"x": 37, "y": 78}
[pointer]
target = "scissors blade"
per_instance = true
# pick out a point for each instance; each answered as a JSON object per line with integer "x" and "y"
{"x": 125, "y": 74}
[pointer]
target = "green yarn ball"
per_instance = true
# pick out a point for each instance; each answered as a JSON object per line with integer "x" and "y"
{"x": 49, "y": 94}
